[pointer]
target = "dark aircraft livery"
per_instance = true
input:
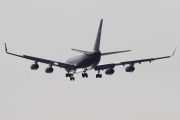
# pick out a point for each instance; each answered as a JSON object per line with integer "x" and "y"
{"x": 86, "y": 61}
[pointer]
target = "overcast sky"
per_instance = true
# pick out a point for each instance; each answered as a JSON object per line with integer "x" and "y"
{"x": 50, "y": 28}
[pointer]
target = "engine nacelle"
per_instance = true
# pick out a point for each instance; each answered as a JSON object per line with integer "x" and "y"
{"x": 49, "y": 70}
{"x": 130, "y": 69}
{"x": 34, "y": 66}
{"x": 109, "y": 71}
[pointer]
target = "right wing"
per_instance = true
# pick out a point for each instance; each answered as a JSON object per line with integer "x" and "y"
{"x": 46, "y": 61}
{"x": 112, "y": 65}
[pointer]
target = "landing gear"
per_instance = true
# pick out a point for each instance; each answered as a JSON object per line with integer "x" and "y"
{"x": 84, "y": 75}
{"x": 98, "y": 75}
{"x": 70, "y": 76}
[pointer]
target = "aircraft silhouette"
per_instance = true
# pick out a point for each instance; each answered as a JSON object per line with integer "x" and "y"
{"x": 86, "y": 61}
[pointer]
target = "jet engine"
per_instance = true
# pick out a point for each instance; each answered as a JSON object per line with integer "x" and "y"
{"x": 109, "y": 71}
{"x": 49, "y": 70}
{"x": 34, "y": 66}
{"x": 130, "y": 69}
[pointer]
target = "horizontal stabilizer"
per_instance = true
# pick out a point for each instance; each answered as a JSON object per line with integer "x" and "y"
{"x": 82, "y": 51}
{"x": 109, "y": 53}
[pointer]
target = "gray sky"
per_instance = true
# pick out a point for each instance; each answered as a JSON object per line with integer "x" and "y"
{"x": 49, "y": 28}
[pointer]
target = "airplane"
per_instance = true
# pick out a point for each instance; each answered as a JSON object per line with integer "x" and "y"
{"x": 86, "y": 61}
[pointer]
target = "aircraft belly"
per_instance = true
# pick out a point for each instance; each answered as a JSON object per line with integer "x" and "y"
{"x": 84, "y": 66}
{"x": 84, "y": 62}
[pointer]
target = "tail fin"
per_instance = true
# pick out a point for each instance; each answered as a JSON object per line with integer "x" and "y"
{"x": 98, "y": 38}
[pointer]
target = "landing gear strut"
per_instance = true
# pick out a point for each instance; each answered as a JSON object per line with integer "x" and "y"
{"x": 98, "y": 75}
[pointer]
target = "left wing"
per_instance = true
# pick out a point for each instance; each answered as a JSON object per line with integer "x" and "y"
{"x": 46, "y": 61}
{"x": 107, "y": 66}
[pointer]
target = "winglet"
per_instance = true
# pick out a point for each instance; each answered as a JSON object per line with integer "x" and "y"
{"x": 5, "y": 47}
{"x": 174, "y": 52}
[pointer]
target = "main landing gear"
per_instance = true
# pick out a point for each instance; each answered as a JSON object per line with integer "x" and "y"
{"x": 84, "y": 75}
{"x": 98, "y": 75}
{"x": 70, "y": 76}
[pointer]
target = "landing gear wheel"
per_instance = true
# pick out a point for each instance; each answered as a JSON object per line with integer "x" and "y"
{"x": 84, "y": 75}
{"x": 72, "y": 78}
{"x": 67, "y": 74}
{"x": 98, "y": 75}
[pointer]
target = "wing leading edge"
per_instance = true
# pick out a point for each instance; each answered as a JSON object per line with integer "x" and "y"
{"x": 107, "y": 66}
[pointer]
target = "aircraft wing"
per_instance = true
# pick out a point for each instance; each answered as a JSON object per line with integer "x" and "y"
{"x": 46, "y": 61}
{"x": 112, "y": 65}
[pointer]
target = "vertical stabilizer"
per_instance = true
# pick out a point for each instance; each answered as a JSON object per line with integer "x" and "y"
{"x": 98, "y": 38}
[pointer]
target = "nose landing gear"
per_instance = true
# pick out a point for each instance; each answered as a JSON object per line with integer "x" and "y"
{"x": 84, "y": 74}
{"x": 72, "y": 78}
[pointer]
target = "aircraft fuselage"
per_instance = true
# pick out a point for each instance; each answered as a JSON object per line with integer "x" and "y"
{"x": 84, "y": 62}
